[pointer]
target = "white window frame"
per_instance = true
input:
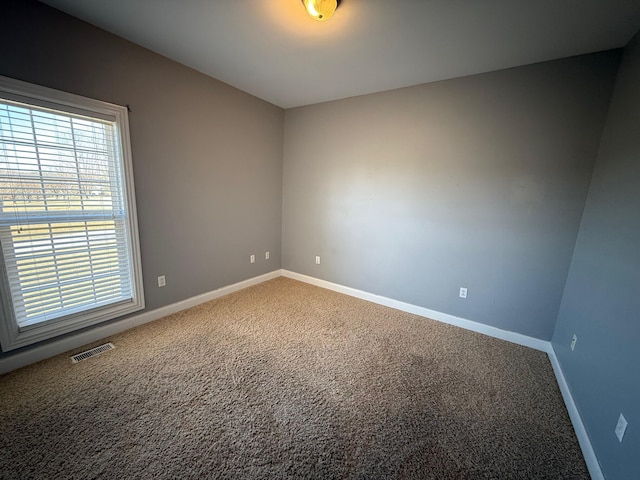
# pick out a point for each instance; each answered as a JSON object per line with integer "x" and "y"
{"x": 11, "y": 335}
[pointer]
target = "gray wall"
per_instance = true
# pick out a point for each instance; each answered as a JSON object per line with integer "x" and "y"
{"x": 601, "y": 302}
{"x": 207, "y": 157}
{"x": 477, "y": 182}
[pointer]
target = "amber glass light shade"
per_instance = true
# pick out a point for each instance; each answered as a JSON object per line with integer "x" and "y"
{"x": 320, "y": 10}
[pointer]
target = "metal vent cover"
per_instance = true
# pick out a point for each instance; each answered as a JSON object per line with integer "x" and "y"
{"x": 78, "y": 357}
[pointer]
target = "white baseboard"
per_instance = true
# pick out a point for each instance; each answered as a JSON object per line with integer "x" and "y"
{"x": 495, "y": 332}
{"x": 581, "y": 433}
{"x": 48, "y": 350}
{"x": 589, "y": 454}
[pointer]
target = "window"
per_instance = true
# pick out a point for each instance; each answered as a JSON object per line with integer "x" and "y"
{"x": 68, "y": 229}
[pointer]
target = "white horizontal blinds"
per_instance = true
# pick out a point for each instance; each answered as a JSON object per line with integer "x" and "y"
{"x": 63, "y": 225}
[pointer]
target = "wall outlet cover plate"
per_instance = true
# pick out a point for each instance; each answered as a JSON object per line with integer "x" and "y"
{"x": 621, "y": 427}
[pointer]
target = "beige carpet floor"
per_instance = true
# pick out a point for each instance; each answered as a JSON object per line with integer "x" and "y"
{"x": 287, "y": 380}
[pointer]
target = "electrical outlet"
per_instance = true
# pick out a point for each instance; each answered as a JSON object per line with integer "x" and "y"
{"x": 317, "y": 260}
{"x": 621, "y": 427}
{"x": 162, "y": 281}
{"x": 463, "y": 292}
{"x": 252, "y": 259}
{"x": 266, "y": 255}
{"x": 573, "y": 342}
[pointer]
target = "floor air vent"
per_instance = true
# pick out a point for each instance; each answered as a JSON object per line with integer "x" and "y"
{"x": 92, "y": 353}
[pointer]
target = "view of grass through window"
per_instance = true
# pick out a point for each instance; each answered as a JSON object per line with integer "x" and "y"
{"x": 63, "y": 226}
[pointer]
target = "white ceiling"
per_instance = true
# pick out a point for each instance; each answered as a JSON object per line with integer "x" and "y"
{"x": 273, "y": 50}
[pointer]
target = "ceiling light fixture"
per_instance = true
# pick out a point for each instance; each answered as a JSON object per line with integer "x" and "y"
{"x": 320, "y": 10}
